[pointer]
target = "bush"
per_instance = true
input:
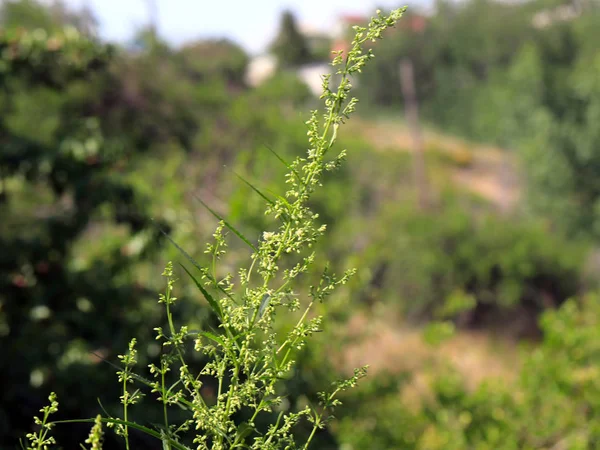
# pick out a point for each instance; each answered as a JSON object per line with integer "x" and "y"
{"x": 551, "y": 402}
{"x": 502, "y": 264}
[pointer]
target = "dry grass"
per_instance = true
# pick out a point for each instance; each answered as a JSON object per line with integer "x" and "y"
{"x": 487, "y": 171}
{"x": 384, "y": 346}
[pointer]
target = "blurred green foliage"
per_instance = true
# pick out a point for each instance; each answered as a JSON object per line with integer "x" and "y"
{"x": 550, "y": 403}
{"x": 63, "y": 184}
{"x": 499, "y": 263}
{"x": 486, "y": 71}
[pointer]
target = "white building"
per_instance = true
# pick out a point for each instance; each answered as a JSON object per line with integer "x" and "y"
{"x": 260, "y": 69}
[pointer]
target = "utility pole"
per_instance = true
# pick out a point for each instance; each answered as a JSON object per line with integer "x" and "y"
{"x": 411, "y": 108}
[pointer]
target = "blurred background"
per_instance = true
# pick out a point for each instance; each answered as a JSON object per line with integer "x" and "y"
{"x": 470, "y": 205}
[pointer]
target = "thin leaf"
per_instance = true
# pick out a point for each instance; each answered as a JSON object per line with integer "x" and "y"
{"x": 133, "y": 425}
{"x": 228, "y": 225}
{"x": 185, "y": 404}
{"x": 263, "y": 305}
{"x": 139, "y": 378}
{"x": 102, "y": 408}
{"x": 244, "y": 430}
{"x": 284, "y": 201}
{"x": 182, "y": 251}
{"x": 288, "y": 166}
{"x": 255, "y": 189}
{"x": 213, "y": 337}
{"x": 174, "y": 385}
{"x": 214, "y": 304}
{"x": 194, "y": 262}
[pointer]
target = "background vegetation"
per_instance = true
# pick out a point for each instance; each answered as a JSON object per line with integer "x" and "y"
{"x": 478, "y": 314}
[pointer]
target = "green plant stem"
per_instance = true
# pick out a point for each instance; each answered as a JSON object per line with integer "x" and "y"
{"x": 125, "y": 403}
{"x": 300, "y": 322}
{"x": 164, "y": 396}
{"x": 220, "y": 389}
{"x": 319, "y": 418}
{"x": 214, "y": 264}
{"x": 311, "y": 436}
{"x": 177, "y": 348}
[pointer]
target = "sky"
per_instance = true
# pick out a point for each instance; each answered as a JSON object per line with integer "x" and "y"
{"x": 251, "y": 23}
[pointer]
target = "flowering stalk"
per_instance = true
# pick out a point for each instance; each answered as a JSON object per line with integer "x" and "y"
{"x": 247, "y": 355}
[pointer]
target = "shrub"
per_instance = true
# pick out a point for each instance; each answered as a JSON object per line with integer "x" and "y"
{"x": 551, "y": 402}
{"x": 501, "y": 263}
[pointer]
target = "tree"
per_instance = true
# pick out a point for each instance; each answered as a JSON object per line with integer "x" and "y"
{"x": 552, "y": 120}
{"x": 31, "y": 14}
{"x": 215, "y": 59}
{"x": 290, "y": 46}
{"x": 62, "y": 186}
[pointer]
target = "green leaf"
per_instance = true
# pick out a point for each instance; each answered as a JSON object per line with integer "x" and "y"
{"x": 212, "y": 337}
{"x": 214, "y": 304}
{"x": 198, "y": 266}
{"x": 103, "y": 408}
{"x": 244, "y": 430}
{"x": 181, "y": 250}
{"x": 133, "y": 425}
{"x": 228, "y": 225}
{"x": 288, "y": 166}
{"x": 263, "y": 305}
{"x": 255, "y": 189}
{"x": 139, "y": 378}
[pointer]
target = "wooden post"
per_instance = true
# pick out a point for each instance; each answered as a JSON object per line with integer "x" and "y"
{"x": 411, "y": 108}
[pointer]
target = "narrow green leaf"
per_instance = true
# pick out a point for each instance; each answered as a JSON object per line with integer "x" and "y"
{"x": 213, "y": 337}
{"x": 244, "y": 430}
{"x": 193, "y": 261}
{"x": 214, "y": 304}
{"x": 182, "y": 403}
{"x": 263, "y": 305}
{"x": 103, "y": 408}
{"x": 284, "y": 200}
{"x": 133, "y": 425}
{"x": 174, "y": 385}
{"x": 139, "y": 378}
{"x": 228, "y": 225}
{"x": 255, "y": 189}
{"x": 181, "y": 250}
{"x": 288, "y": 166}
